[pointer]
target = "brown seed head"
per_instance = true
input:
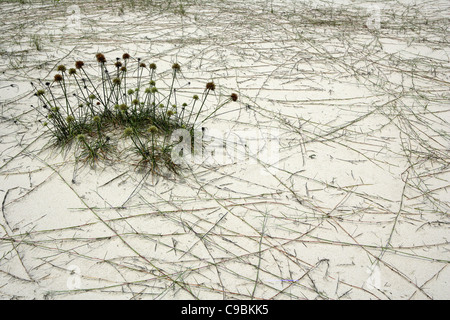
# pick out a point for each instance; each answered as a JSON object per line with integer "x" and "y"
{"x": 100, "y": 57}
{"x": 210, "y": 86}
{"x": 79, "y": 64}
{"x": 234, "y": 96}
{"x": 176, "y": 67}
{"x": 58, "y": 77}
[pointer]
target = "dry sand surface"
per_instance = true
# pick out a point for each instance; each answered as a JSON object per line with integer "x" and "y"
{"x": 327, "y": 179}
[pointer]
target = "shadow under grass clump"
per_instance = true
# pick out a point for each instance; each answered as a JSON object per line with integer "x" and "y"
{"x": 125, "y": 102}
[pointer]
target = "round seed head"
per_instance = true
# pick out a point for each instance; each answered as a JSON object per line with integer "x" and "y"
{"x": 45, "y": 124}
{"x": 135, "y": 102}
{"x": 152, "y": 82}
{"x": 92, "y": 96}
{"x": 142, "y": 65}
{"x": 147, "y": 90}
{"x": 116, "y": 81}
{"x": 128, "y": 132}
{"x": 70, "y": 119}
{"x": 81, "y": 137}
{"x": 176, "y": 67}
{"x": 79, "y": 64}
{"x": 96, "y": 119}
{"x": 61, "y": 68}
{"x": 117, "y": 107}
{"x": 210, "y": 86}
{"x": 55, "y": 109}
{"x": 123, "y": 69}
{"x": 153, "y": 66}
{"x": 72, "y": 71}
{"x": 118, "y": 64}
{"x": 123, "y": 107}
{"x": 40, "y": 92}
{"x": 234, "y": 96}
{"x": 153, "y": 129}
{"x": 100, "y": 57}
{"x": 185, "y": 104}
{"x": 170, "y": 113}
{"x": 125, "y": 56}
{"x": 154, "y": 90}
{"x": 161, "y": 105}
{"x": 130, "y": 91}
{"x": 195, "y": 97}
{"x": 58, "y": 77}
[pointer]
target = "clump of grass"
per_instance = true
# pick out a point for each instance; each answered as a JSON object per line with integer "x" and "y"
{"x": 90, "y": 153}
{"x": 118, "y": 102}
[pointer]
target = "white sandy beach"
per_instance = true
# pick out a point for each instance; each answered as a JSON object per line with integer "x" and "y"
{"x": 332, "y": 184}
